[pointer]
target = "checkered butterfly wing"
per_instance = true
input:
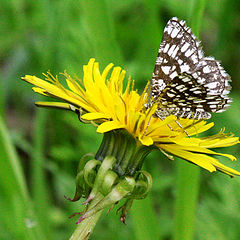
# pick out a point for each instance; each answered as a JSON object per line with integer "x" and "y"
{"x": 184, "y": 82}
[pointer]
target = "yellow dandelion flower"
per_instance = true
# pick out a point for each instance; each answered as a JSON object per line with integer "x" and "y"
{"x": 101, "y": 98}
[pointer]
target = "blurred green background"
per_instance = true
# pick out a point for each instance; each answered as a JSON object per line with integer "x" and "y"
{"x": 40, "y": 148}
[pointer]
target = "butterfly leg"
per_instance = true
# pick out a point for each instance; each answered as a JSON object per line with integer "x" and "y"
{"x": 179, "y": 124}
{"x": 162, "y": 118}
{"x": 170, "y": 127}
{"x": 193, "y": 124}
{"x": 147, "y": 126}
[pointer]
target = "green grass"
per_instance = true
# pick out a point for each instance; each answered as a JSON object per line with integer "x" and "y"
{"x": 40, "y": 148}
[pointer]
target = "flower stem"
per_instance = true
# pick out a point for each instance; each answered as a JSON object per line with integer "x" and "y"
{"x": 85, "y": 228}
{"x": 117, "y": 165}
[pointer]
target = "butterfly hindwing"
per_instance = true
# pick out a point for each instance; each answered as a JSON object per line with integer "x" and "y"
{"x": 186, "y": 98}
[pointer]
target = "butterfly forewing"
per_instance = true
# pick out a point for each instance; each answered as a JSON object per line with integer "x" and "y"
{"x": 179, "y": 52}
{"x": 185, "y": 83}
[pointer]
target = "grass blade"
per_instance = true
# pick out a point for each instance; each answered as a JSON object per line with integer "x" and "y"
{"x": 99, "y": 24}
{"x": 188, "y": 176}
{"x": 186, "y": 200}
{"x": 144, "y": 219}
{"x": 39, "y": 184}
{"x": 12, "y": 182}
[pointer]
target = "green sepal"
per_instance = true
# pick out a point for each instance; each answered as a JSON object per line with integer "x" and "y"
{"x": 79, "y": 192}
{"x": 84, "y": 159}
{"x": 143, "y": 185}
{"x": 124, "y": 210}
{"x": 109, "y": 181}
{"x": 90, "y": 171}
{"x": 107, "y": 164}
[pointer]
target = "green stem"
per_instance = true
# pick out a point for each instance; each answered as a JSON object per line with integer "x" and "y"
{"x": 85, "y": 228}
{"x": 188, "y": 176}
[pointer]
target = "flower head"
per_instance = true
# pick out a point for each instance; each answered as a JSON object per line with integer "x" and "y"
{"x": 102, "y": 99}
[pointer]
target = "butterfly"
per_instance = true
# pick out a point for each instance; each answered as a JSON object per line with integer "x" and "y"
{"x": 185, "y": 83}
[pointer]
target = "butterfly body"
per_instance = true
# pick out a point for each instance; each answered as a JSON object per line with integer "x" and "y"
{"x": 184, "y": 82}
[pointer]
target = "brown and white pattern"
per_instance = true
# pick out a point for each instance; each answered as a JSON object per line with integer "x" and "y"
{"x": 184, "y": 82}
